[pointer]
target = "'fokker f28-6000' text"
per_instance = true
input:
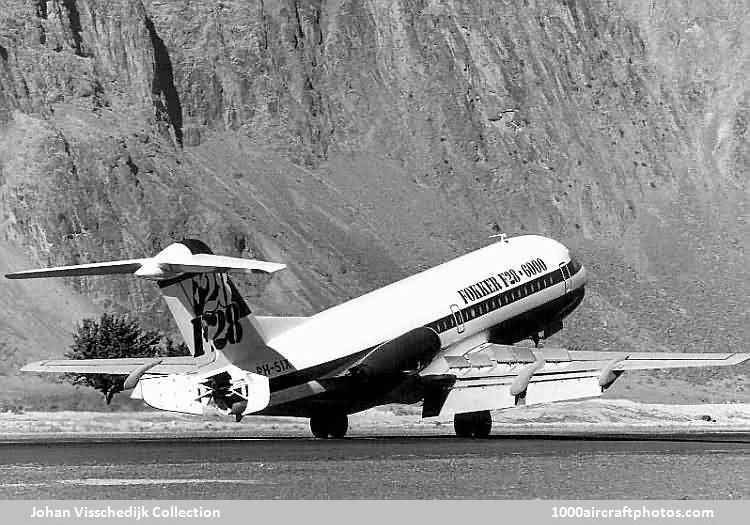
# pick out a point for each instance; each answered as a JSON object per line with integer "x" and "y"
{"x": 443, "y": 337}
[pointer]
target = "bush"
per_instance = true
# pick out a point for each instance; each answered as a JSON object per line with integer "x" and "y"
{"x": 116, "y": 336}
{"x": 11, "y": 359}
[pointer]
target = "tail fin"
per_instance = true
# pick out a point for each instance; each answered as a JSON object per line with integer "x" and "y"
{"x": 209, "y": 311}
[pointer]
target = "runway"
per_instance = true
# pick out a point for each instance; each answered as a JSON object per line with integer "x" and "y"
{"x": 405, "y": 467}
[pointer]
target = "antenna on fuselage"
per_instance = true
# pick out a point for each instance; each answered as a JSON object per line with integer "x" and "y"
{"x": 502, "y": 236}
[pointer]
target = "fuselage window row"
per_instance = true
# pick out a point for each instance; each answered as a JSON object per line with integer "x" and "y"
{"x": 493, "y": 303}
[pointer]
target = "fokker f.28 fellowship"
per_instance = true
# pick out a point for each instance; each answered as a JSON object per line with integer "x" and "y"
{"x": 443, "y": 337}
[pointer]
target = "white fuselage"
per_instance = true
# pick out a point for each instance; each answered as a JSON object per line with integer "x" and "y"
{"x": 460, "y": 299}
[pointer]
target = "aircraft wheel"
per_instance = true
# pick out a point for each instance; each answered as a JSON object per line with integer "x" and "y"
{"x": 325, "y": 426}
{"x": 473, "y": 424}
{"x": 318, "y": 427}
{"x": 482, "y": 424}
{"x": 462, "y": 425}
{"x": 338, "y": 425}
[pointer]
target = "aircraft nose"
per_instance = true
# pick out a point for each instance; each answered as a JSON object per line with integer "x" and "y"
{"x": 578, "y": 272}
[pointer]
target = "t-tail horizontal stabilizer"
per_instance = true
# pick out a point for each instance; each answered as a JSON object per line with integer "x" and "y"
{"x": 208, "y": 309}
{"x": 174, "y": 260}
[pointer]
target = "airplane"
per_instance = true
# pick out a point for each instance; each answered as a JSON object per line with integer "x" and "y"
{"x": 444, "y": 337}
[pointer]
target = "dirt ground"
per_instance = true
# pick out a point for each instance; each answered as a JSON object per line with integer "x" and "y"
{"x": 593, "y": 415}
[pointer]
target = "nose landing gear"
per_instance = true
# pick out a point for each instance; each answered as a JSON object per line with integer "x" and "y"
{"x": 473, "y": 424}
{"x": 329, "y": 425}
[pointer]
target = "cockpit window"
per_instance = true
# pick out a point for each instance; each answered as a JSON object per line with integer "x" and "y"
{"x": 574, "y": 266}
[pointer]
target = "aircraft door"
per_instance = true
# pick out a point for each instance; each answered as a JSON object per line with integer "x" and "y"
{"x": 456, "y": 311}
{"x": 565, "y": 275}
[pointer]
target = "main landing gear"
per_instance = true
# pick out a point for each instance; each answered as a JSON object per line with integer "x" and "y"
{"x": 329, "y": 425}
{"x": 473, "y": 424}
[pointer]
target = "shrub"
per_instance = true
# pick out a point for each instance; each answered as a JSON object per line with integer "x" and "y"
{"x": 116, "y": 336}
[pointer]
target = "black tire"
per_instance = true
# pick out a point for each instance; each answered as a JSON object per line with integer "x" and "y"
{"x": 482, "y": 424}
{"x": 325, "y": 426}
{"x": 473, "y": 424}
{"x": 338, "y": 425}
{"x": 462, "y": 425}
{"x": 319, "y": 426}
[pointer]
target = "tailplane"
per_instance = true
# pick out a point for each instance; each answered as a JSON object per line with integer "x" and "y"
{"x": 210, "y": 312}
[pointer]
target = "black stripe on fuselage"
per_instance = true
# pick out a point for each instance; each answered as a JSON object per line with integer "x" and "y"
{"x": 495, "y": 302}
{"x": 443, "y": 324}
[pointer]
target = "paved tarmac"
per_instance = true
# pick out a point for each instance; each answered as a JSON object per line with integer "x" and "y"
{"x": 581, "y": 466}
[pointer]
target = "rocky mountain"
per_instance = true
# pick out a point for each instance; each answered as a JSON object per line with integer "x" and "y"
{"x": 360, "y": 141}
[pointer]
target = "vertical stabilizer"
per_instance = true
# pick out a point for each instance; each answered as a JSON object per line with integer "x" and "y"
{"x": 210, "y": 312}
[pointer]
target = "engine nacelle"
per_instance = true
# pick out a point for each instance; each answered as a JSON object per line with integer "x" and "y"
{"x": 228, "y": 390}
{"x": 408, "y": 352}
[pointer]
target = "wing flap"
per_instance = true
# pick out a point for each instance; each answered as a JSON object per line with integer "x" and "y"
{"x": 496, "y": 393}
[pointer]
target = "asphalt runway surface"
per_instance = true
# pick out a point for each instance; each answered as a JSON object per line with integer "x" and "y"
{"x": 590, "y": 466}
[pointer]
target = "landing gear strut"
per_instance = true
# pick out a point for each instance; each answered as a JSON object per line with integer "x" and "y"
{"x": 329, "y": 425}
{"x": 473, "y": 424}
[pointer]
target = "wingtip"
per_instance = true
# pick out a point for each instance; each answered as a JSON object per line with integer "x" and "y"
{"x": 269, "y": 269}
{"x": 36, "y": 366}
{"x": 28, "y": 274}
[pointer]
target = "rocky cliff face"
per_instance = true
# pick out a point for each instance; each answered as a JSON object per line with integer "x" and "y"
{"x": 360, "y": 141}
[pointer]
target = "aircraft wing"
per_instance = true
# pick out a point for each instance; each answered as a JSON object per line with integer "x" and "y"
{"x": 124, "y": 366}
{"x": 492, "y": 377}
{"x": 657, "y": 360}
